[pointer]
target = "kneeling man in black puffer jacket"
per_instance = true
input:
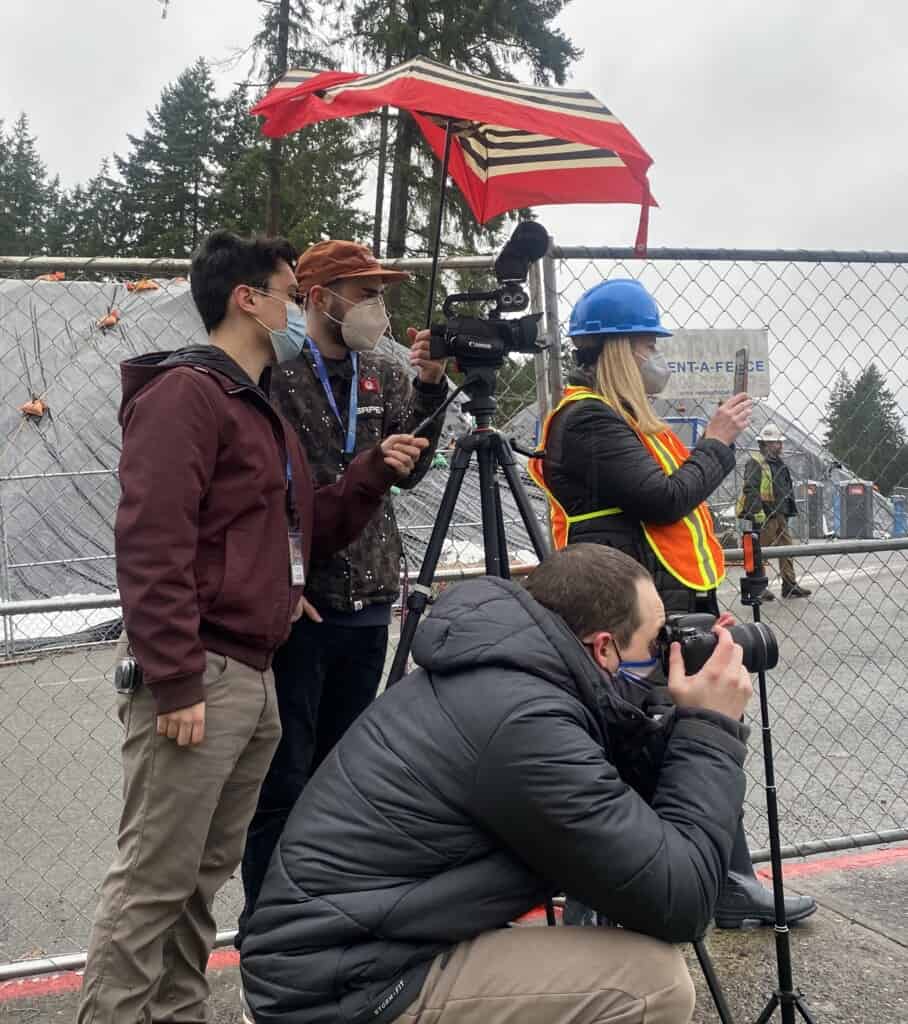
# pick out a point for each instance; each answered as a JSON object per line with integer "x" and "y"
{"x": 486, "y": 781}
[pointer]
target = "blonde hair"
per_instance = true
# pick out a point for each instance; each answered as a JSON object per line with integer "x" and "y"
{"x": 618, "y": 380}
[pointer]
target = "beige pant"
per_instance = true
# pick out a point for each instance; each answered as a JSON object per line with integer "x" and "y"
{"x": 556, "y": 976}
{"x": 775, "y": 534}
{"x": 185, "y": 814}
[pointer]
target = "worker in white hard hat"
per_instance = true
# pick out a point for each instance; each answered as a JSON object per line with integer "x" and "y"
{"x": 767, "y": 500}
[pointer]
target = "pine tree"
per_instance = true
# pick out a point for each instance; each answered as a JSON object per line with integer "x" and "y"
{"x": 864, "y": 429}
{"x": 60, "y": 220}
{"x": 99, "y": 226}
{"x": 167, "y": 199}
{"x": 24, "y": 211}
{"x": 487, "y": 38}
{"x": 7, "y": 225}
{"x": 321, "y": 178}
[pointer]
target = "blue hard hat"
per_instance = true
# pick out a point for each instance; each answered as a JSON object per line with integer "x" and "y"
{"x": 620, "y": 306}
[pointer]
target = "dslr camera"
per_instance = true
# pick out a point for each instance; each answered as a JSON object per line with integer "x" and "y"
{"x": 698, "y": 641}
{"x": 476, "y": 341}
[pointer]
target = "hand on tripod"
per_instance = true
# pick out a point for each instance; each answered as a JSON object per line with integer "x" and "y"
{"x": 722, "y": 685}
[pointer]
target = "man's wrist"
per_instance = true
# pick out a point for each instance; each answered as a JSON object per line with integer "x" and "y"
{"x": 435, "y": 382}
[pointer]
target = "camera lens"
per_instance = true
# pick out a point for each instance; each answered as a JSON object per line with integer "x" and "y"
{"x": 761, "y": 651}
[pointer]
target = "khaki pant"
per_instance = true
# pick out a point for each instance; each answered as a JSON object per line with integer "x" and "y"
{"x": 556, "y": 976}
{"x": 181, "y": 836}
{"x": 775, "y": 534}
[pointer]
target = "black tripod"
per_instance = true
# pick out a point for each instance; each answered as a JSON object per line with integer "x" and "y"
{"x": 493, "y": 452}
{"x": 753, "y": 586}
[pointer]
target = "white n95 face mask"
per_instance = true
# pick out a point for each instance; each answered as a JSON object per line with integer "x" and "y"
{"x": 655, "y": 373}
{"x": 364, "y": 324}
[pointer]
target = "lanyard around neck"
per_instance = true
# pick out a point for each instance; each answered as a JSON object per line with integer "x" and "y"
{"x": 353, "y": 410}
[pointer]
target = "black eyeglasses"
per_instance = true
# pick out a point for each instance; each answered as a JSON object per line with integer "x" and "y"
{"x": 295, "y": 296}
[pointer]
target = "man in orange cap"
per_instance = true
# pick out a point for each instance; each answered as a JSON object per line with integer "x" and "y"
{"x": 342, "y": 396}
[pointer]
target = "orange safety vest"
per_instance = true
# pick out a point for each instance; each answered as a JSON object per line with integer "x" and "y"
{"x": 687, "y": 549}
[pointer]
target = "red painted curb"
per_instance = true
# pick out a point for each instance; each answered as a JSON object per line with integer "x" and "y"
{"x": 845, "y": 862}
{"x": 71, "y": 981}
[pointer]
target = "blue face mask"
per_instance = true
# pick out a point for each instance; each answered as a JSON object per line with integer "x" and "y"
{"x": 288, "y": 341}
{"x": 637, "y": 671}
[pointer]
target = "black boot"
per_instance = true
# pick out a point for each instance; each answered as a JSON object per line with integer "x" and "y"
{"x": 796, "y": 591}
{"x": 745, "y": 899}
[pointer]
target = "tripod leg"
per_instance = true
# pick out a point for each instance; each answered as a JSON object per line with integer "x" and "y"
{"x": 491, "y": 531}
{"x": 505, "y": 563}
{"x": 804, "y": 1010}
{"x": 785, "y": 996}
{"x": 769, "y": 1009}
{"x": 712, "y": 982}
{"x": 419, "y": 596}
{"x": 509, "y": 467}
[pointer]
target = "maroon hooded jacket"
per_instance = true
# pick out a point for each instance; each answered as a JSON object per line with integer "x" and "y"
{"x": 207, "y": 503}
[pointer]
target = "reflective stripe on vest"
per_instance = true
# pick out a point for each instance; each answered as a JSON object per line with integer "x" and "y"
{"x": 767, "y": 493}
{"x": 687, "y": 549}
{"x": 561, "y": 521}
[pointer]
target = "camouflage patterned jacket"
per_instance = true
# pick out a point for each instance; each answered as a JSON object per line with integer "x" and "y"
{"x": 367, "y": 572}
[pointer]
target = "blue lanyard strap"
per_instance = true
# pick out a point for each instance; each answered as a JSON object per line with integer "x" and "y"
{"x": 353, "y": 411}
{"x": 292, "y": 514}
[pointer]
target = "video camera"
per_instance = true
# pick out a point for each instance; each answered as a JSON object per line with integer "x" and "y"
{"x": 476, "y": 341}
{"x": 698, "y": 641}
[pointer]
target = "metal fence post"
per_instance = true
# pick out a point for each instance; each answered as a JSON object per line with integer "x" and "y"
{"x": 537, "y": 305}
{"x": 552, "y": 329}
{"x": 5, "y": 589}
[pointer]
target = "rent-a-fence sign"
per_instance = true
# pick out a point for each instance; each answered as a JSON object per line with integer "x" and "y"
{"x": 703, "y": 363}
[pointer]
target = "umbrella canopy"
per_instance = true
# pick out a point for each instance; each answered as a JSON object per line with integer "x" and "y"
{"x": 514, "y": 145}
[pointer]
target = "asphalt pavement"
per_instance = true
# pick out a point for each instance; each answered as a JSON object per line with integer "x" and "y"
{"x": 839, "y": 702}
{"x": 850, "y": 959}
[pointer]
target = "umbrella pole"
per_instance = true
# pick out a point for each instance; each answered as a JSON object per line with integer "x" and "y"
{"x": 442, "y": 191}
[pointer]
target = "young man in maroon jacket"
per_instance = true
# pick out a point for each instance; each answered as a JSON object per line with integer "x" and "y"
{"x": 216, "y": 522}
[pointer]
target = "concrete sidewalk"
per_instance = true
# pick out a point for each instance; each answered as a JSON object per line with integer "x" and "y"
{"x": 850, "y": 959}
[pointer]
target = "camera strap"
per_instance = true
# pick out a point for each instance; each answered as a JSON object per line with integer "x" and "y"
{"x": 321, "y": 372}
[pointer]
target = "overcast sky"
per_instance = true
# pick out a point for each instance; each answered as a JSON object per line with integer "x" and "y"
{"x": 771, "y": 124}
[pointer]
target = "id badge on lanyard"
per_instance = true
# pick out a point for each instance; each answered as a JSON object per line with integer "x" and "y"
{"x": 294, "y": 536}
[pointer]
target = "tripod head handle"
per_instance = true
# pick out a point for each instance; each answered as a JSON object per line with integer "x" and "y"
{"x": 753, "y": 553}
{"x": 754, "y": 581}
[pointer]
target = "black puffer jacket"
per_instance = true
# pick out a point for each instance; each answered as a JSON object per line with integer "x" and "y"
{"x": 594, "y": 461}
{"x": 467, "y": 793}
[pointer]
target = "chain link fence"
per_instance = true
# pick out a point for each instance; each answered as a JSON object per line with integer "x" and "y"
{"x": 838, "y": 697}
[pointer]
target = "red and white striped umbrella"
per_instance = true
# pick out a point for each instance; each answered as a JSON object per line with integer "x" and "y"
{"x": 512, "y": 145}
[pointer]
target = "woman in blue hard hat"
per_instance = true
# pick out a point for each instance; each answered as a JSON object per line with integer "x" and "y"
{"x": 616, "y": 474}
{"x": 614, "y": 471}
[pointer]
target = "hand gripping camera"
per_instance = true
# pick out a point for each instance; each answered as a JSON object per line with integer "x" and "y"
{"x": 698, "y": 641}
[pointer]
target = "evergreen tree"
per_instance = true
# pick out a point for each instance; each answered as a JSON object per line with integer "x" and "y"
{"x": 864, "y": 429}
{"x": 321, "y": 178}
{"x": 7, "y": 225}
{"x": 25, "y": 192}
{"x": 99, "y": 225}
{"x": 324, "y": 160}
{"x": 167, "y": 199}
{"x": 487, "y": 38}
{"x": 60, "y": 220}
